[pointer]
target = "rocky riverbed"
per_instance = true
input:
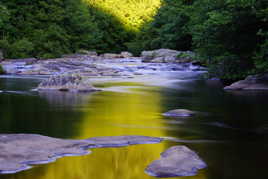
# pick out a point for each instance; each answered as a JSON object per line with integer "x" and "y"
{"x": 77, "y": 72}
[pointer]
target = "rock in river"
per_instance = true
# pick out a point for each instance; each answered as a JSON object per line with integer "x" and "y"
{"x": 253, "y": 82}
{"x": 19, "y": 151}
{"x": 68, "y": 82}
{"x": 180, "y": 113}
{"x": 176, "y": 161}
{"x": 167, "y": 56}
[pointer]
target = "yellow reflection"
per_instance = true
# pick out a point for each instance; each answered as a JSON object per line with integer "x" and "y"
{"x": 112, "y": 114}
{"x": 105, "y": 163}
{"x": 131, "y": 13}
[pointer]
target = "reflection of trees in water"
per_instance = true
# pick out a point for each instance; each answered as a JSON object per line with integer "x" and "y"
{"x": 31, "y": 114}
{"x": 65, "y": 99}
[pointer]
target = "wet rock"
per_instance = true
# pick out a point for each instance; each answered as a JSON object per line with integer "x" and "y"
{"x": 180, "y": 113}
{"x": 167, "y": 56}
{"x": 19, "y": 151}
{"x": 126, "y": 54}
{"x": 69, "y": 82}
{"x": 254, "y": 82}
{"x": 177, "y": 161}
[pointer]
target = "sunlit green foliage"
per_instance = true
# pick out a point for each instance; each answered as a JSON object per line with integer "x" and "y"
{"x": 230, "y": 36}
{"x": 131, "y": 13}
{"x": 169, "y": 29}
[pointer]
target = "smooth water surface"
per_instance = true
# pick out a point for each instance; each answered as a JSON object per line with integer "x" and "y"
{"x": 231, "y": 135}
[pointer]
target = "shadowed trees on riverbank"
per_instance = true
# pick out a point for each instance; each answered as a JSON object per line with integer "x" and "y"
{"x": 230, "y": 37}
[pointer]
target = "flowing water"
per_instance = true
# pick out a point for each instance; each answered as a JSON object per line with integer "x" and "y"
{"x": 231, "y": 135}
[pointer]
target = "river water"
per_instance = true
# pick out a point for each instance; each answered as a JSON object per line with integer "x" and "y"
{"x": 231, "y": 136}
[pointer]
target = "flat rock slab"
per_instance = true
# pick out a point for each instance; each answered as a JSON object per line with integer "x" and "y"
{"x": 19, "y": 151}
{"x": 177, "y": 161}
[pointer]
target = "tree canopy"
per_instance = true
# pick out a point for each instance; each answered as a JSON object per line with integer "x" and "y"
{"x": 229, "y": 36}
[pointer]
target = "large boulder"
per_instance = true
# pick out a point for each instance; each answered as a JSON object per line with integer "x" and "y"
{"x": 66, "y": 82}
{"x": 253, "y": 82}
{"x": 167, "y": 56}
{"x": 177, "y": 161}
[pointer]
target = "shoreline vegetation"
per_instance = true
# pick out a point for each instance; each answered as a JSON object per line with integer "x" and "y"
{"x": 230, "y": 37}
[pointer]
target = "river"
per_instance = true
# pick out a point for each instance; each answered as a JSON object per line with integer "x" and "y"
{"x": 231, "y": 138}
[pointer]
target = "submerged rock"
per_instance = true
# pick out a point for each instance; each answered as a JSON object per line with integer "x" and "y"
{"x": 19, "y": 151}
{"x": 69, "y": 82}
{"x": 254, "y": 82}
{"x": 119, "y": 141}
{"x": 180, "y": 113}
{"x": 175, "y": 162}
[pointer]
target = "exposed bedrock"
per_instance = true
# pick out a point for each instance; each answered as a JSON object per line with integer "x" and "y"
{"x": 19, "y": 151}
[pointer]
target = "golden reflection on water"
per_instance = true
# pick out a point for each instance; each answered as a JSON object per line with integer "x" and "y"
{"x": 112, "y": 114}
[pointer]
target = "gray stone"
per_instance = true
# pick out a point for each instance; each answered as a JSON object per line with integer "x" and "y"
{"x": 69, "y": 82}
{"x": 126, "y": 54}
{"x": 19, "y": 151}
{"x": 177, "y": 161}
{"x": 167, "y": 56}
{"x": 254, "y": 82}
{"x": 180, "y": 113}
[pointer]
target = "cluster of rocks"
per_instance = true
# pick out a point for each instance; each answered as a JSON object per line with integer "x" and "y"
{"x": 253, "y": 82}
{"x": 69, "y": 72}
{"x": 82, "y": 64}
{"x": 167, "y": 56}
{"x": 89, "y": 63}
{"x": 20, "y": 151}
